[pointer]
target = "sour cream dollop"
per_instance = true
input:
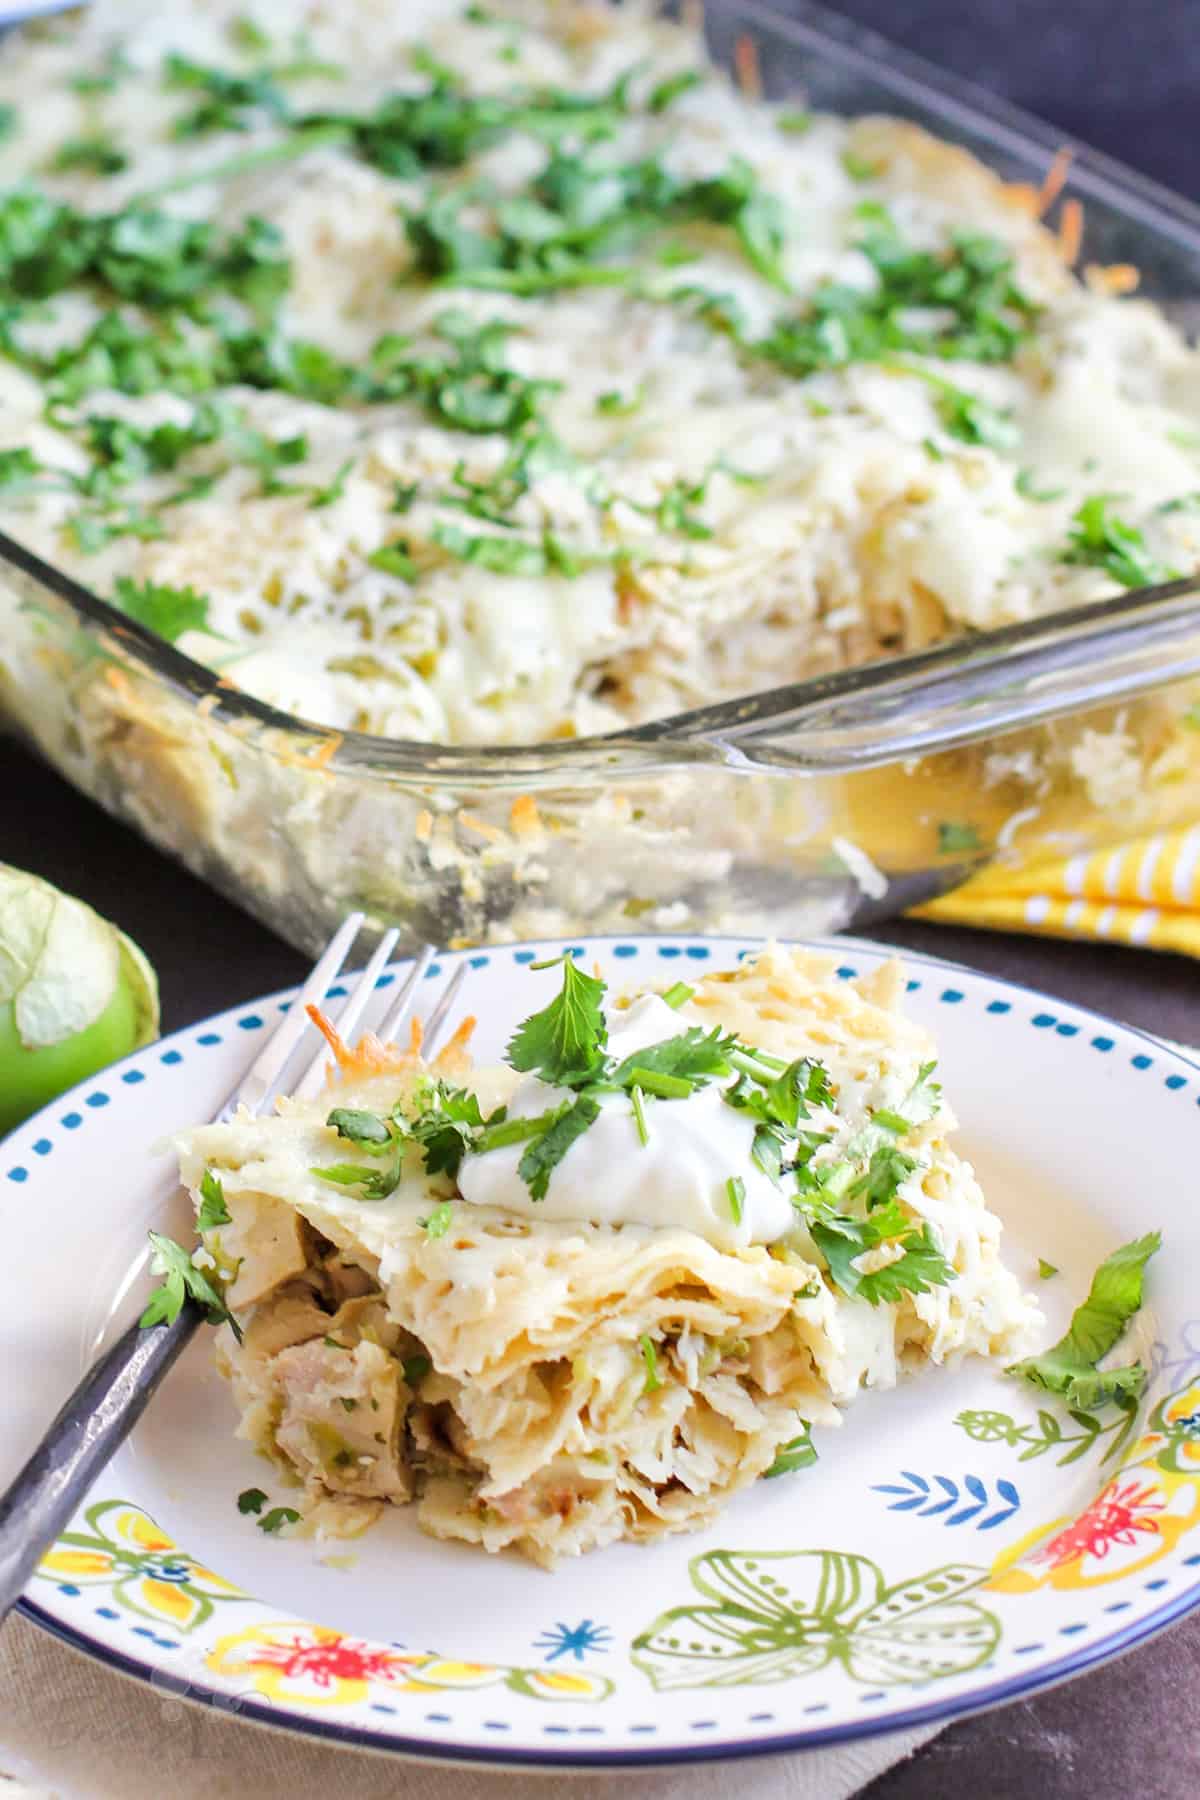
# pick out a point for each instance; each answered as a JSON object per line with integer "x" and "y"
{"x": 609, "y": 1177}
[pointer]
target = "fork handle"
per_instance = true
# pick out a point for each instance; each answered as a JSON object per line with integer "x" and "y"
{"x": 88, "y": 1429}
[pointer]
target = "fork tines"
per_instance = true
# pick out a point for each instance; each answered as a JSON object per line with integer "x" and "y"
{"x": 267, "y": 1076}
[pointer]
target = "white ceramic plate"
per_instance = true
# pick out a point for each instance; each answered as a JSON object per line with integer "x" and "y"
{"x": 957, "y": 1544}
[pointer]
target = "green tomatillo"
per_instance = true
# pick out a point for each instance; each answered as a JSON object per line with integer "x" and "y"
{"x": 75, "y": 994}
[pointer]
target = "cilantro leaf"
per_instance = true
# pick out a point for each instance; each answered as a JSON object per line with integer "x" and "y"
{"x": 366, "y": 1130}
{"x": 976, "y": 421}
{"x": 1025, "y": 482}
{"x": 97, "y": 152}
{"x": 954, "y": 837}
{"x": 376, "y": 1184}
{"x": 1070, "y": 1366}
{"x": 842, "y": 1239}
{"x": 970, "y": 286}
{"x": 180, "y": 1279}
{"x": 169, "y": 611}
{"x": 670, "y": 88}
{"x": 886, "y": 1170}
{"x": 923, "y": 1099}
{"x": 921, "y": 1267}
{"x": 19, "y": 470}
{"x": 1046, "y": 1270}
{"x": 213, "y": 1210}
{"x": 394, "y": 559}
{"x": 228, "y": 100}
{"x": 1100, "y": 539}
{"x": 802, "y": 1085}
{"x": 565, "y": 1042}
{"x": 798, "y": 1454}
{"x": 544, "y": 1153}
{"x": 278, "y": 1517}
{"x": 333, "y": 490}
{"x": 694, "y": 1056}
{"x": 251, "y": 1500}
{"x": 445, "y": 1128}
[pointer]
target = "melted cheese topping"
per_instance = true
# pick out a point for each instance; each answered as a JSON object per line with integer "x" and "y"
{"x": 835, "y": 517}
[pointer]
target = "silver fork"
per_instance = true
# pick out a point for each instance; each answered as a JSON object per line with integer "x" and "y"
{"x": 99, "y": 1415}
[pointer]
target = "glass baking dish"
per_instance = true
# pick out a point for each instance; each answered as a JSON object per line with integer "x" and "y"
{"x": 807, "y": 808}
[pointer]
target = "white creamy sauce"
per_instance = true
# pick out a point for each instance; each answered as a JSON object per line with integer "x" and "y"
{"x": 609, "y": 1177}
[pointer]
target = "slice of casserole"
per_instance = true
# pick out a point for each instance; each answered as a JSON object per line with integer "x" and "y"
{"x": 593, "y": 1292}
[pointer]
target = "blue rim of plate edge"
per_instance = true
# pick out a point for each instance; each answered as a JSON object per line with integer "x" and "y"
{"x": 934, "y": 1712}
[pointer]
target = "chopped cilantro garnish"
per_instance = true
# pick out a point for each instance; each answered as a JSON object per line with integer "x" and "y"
{"x": 545, "y": 1152}
{"x": 666, "y": 91}
{"x": 678, "y": 994}
{"x": 19, "y": 471}
{"x": 579, "y": 212}
{"x": 445, "y": 1128}
{"x": 394, "y": 559}
{"x": 618, "y": 405}
{"x": 366, "y": 1130}
{"x": 1070, "y": 1367}
{"x": 653, "y": 1379}
{"x": 1026, "y": 485}
{"x": 1046, "y": 1269}
{"x": 278, "y": 1517}
{"x": 798, "y": 1454}
{"x": 735, "y": 1187}
{"x": 969, "y": 288}
{"x": 1100, "y": 539}
{"x": 415, "y": 1369}
{"x": 654, "y": 1081}
{"x": 213, "y": 1210}
{"x": 113, "y": 68}
{"x": 251, "y": 1500}
{"x": 976, "y": 421}
{"x": 841, "y": 1240}
{"x": 639, "y": 1113}
{"x": 169, "y": 611}
{"x": 326, "y": 496}
{"x": 98, "y": 153}
{"x": 246, "y": 34}
{"x": 228, "y": 101}
{"x": 181, "y": 1279}
{"x": 565, "y": 1042}
{"x": 672, "y": 1068}
{"x": 954, "y": 836}
{"x": 887, "y": 1169}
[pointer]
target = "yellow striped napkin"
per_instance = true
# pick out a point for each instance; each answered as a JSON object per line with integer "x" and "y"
{"x": 1145, "y": 891}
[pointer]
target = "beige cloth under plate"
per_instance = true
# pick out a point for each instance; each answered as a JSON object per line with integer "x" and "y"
{"x": 72, "y": 1730}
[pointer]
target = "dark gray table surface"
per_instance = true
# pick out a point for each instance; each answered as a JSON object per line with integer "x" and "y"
{"x": 1125, "y": 79}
